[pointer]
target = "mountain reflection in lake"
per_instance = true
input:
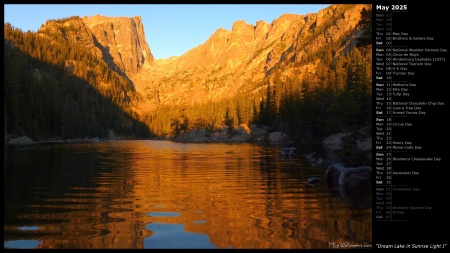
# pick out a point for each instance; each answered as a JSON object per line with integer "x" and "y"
{"x": 161, "y": 194}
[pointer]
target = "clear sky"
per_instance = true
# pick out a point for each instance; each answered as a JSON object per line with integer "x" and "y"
{"x": 170, "y": 29}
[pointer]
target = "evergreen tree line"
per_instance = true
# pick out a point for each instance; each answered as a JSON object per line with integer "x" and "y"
{"x": 213, "y": 115}
{"x": 57, "y": 90}
{"x": 336, "y": 98}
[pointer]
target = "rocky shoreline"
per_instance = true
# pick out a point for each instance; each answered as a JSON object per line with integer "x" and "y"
{"x": 25, "y": 140}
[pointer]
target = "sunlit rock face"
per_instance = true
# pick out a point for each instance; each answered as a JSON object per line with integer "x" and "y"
{"x": 119, "y": 41}
{"x": 123, "y": 38}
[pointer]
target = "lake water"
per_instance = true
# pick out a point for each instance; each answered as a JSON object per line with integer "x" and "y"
{"x": 146, "y": 194}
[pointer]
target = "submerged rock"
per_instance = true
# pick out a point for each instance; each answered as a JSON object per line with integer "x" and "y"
{"x": 352, "y": 175}
{"x": 313, "y": 180}
{"x": 277, "y": 136}
{"x": 310, "y": 158}
{"x": 24, "y": 140}
{"x": 288, "y": 151}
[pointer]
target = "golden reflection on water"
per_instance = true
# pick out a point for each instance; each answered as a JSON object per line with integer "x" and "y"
{"x": 239, "y": 196}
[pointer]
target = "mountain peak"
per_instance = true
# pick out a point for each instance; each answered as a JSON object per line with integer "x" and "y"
{"x": 239, "y": 23}
{"x": 114, "y": 33}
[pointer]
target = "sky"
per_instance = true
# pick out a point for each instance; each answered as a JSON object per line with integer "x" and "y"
{"x": 170, "y": 29}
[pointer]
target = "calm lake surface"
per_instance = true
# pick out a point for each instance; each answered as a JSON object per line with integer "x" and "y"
{"x": 144, "y": 194}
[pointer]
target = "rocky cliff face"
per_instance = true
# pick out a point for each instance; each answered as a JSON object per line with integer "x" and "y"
{"x": 123, "y": 39}
{"x": 119, "y": 41}
{"x": 335, "y": 23}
